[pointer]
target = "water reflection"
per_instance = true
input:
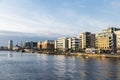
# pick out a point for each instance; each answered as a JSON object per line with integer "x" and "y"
{"x": 9, "y": 55}
{"x": 53, "y": 67}
{"x": 113, "y": 69}
{"x": 60, "y": 67}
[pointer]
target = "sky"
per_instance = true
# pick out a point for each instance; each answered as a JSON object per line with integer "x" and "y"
{"x": 35, "y": 20}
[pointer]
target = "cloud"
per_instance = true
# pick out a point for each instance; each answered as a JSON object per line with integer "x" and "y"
{"x": 21, "y": 34}
{"x": 38, "y": 20}
{"x": 11, "y": 33}
{"x": 27, "y": 18}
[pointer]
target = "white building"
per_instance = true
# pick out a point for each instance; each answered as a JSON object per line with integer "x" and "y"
{"x": 73, "y": 43}
{"x": 10, "y": 44}
{"x": 65, "y": 44}
{"x": 61, "y": 44}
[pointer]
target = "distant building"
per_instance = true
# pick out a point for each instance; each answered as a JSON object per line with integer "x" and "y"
{"x": 39, "y": 45}
{"x": 48, "y": 45}
{"x": 10, "y": 44}
{"x": 16, "y": 48}
{"x": 87, "y": 40}
{"x": 30, "y": 45}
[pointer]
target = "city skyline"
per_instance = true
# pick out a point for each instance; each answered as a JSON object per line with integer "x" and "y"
{"x": 44, "y": 19}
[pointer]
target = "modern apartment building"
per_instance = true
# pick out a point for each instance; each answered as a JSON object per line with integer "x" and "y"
{"x": 30, "y": 45}
{"x": 48, "y": 45}
{"x": 39, "y": 45}
{"x": 87, "y": 40}
{"x": 117, "y": 33}
{"x": 10, "y": 44}
{"x": 73, "y": 43}
{"x": 106, "y": 40}
{"x": 61, "y": 44}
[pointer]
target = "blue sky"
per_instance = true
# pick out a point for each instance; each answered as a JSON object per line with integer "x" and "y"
{"x": 56, "y": 18}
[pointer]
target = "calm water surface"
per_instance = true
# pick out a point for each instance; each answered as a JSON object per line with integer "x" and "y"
{"x": 51, "y": 67}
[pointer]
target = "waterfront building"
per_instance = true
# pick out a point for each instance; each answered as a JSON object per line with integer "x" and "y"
{"x": 30, "y": 45}
{"x": 61, "y": 44}
{"x": 27, "y": 45}
{"x": 73, "y": 43}
{"x": 92, "y": 40}
{"x": 87, "y": 40}
{"x": 47, "y": 45}
{"x": 33, "y": 45}
{"x": 39, "y": 45}
{"x": 117, "y": 33}
{"x": 106, "y": 40}
{"x": 10, "y": 44}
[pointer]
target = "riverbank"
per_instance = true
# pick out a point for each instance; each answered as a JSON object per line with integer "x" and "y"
{"x": 75, "y": 54}
{"x": 99, "y": 55}
{"x": 88, "y": 55}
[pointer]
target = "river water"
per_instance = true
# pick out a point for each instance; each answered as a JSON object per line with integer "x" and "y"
{"x": 28, "y": 66}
